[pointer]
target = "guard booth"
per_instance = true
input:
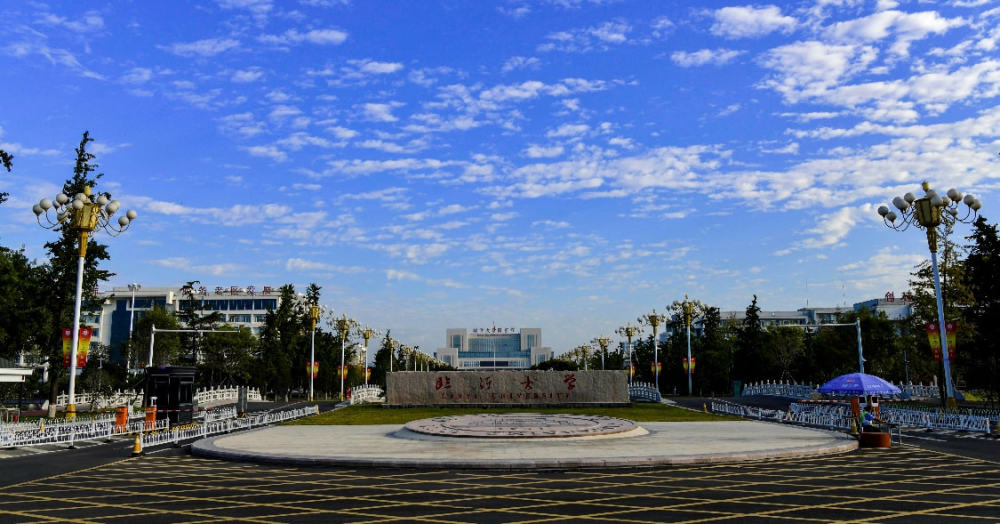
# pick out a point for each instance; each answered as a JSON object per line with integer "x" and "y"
{"x": 171, "y": 390}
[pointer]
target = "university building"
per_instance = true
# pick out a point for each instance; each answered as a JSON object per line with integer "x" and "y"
{"x": 493, "y": 348}
{"x": 241, "y": 307}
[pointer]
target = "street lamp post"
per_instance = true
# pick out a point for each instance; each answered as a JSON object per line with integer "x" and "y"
{"x": 367, "y": 334}
{"x": 629, "y": 331}
{"x": 926, "y": 213}
{"x": 654, "y": 319}
{"x": 344, "y": 326}
{"x": 133, "y": 287}
{"x": 82, "y": 215}
{"x": 315, "y": 312}
{"x": 602, "y": 341}
{"x": 689, "y": 309}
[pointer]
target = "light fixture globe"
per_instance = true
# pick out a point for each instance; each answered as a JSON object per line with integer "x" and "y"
{"x": 909, "y": 197}
{"x": 61, "y": 198}
{"x": 45, "y": 204}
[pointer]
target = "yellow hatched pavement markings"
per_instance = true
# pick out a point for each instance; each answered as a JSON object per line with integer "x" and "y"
{"x": 140, "y": 510}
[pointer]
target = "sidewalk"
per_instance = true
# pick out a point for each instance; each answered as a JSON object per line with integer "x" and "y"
{"x": 391, "y": 446}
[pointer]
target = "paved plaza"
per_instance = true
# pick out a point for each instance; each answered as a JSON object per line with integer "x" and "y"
{"x": 904, "y": 484}
{"x": 649, "y": 444}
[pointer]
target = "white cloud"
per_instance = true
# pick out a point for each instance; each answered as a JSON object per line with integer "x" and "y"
{"x": 907, "y": 27}
{"x": 376, "y": 68}
{"x": 588, "y": 39}
{"x": 300, "y": 264}
{"x": 536, "y": 151}
{"x": 749, "y": 21}
{"x": 246, "y": 76}
{"x": 520, "y": 62}
{"x": 89, "y": 22}
{"x": 204, "y": 48}
{"x": 704, "y": 56}
{"x": 137, "y": 76}
{"x": 568, "y": 130}
{"x": 315, "y": 36}
{"x": 380, "y": 112}
{"x": 268, "y": 152}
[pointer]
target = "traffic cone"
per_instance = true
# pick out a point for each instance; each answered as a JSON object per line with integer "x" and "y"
{"x": 854, "y": 427}
{"x": 137, "y": 447}
{"x": 704, "y": 407}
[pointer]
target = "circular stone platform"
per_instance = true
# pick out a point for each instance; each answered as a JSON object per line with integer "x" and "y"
{"x": 521, "y": 426}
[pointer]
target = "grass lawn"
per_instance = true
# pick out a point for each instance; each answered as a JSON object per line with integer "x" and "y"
{"x": 376, "y": 414}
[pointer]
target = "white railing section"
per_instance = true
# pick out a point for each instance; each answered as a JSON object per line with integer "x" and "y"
{"x": 206, "y": 395}
{"x": 99, "y": 401}
{"x": 213, "y": 415}
{"x": 936, "y": 420}
{"x": 71, "y": 432}
{"x": 176, "y": 435}
{"x": 643, "y": 391}
{"x": 804, "y": 391}
{"x": 134, "y": 398}
{"x": 367, "y": 393}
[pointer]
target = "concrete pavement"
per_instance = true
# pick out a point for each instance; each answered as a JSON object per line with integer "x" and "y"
{"x": 658, "y": 444}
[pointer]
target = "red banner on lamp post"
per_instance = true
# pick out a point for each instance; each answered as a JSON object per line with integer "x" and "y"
{"x": 655, "y": 367}
{"x": 313, "y": 369}
{"x": 82, "y": 347}
{"x": 688, "y": 365}
{"x": 934, "y": 339}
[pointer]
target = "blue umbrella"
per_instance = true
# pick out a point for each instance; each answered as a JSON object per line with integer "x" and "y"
{"x": 858, "y": 384}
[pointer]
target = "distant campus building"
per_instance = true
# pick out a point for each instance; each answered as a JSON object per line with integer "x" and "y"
{"x": 240, "y": 307}
{"x": 493, "y": 348}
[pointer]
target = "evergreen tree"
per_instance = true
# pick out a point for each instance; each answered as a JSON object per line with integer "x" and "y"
{"x": 714, "y": 369}
{"x": 284, "y": 344}
{"x": 982, "y": 268}
{"x": 5, "y": 159}
{"x": 64, "y": 253}
{"x": 753, "y": 362}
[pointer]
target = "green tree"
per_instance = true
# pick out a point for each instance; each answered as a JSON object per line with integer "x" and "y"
{"x": 226, "y": 358}
{"x": 64, "y": 252}
{"x": 752, "y": 361}
{"x": 167, "y": 346}
{"x": 982, "y": 267}
{"x": 786, "y": 344}
{"x": 6, "y": 159}
{"x": 193, "y": 315}
{"x": 383, "y": 356}
{"x": 714, "y": 370}
{"x": 25, "y": 321}
{"x": 284, "y": 342}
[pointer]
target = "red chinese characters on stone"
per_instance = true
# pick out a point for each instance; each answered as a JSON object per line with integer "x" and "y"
{"x": 442, "y": 382}
{"x": 570, "y": 381}
{"x": 526, "y": 383}
{"x": 485, "y": 383}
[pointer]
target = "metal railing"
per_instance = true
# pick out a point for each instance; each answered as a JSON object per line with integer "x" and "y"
{"x": 643, "y": 391}
{"x": 134, "y": 398}
{"x": 71, "y": 432}
{"x": 177, "y": 434}
{"x": 367, "y": 393}
{"x": 804, "y": 391}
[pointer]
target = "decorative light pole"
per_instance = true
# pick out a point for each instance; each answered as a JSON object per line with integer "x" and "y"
{"x": 367, "y": 334}
{"x": 133, "y": 287}
{"x": 602, "y": 341}
{"x": 392, "y": 352}
{"x": 654, "y": 319}
{"x": 315, "y": 312}
{"x": 344, "y": 326}
{"x": 81, "y": 215}
{"x": 688, "y": 308}
{"x": 628, "y": 331}
{"x": 926, "y": 213}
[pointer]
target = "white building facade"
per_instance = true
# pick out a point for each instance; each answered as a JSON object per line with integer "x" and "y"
{"x": 493, "y": 348}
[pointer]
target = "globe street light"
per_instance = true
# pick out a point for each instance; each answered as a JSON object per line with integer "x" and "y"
{"x": 131, "y": 320}
{"x": 603, "y": 342}
{"x": 367, "y": 334}
{"x": 629, "y": 331}
{"x": 315, "y": 312}
{"x": 689, "y": 309}
{"x": 344, "y": 325}
{"x": 81, "y": 215}
{"x": 926, "y": 213}
{"x": 654, "y": 319}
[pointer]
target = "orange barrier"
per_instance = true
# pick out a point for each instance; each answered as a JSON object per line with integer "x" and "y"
{"x": 121, "y": 418}
{"x": 150, "y": 417}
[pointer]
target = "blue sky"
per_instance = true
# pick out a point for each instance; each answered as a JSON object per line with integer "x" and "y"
{"x": 563, "y": 164}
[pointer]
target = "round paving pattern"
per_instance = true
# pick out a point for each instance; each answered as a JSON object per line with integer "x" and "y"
{"x": 521, "y": 425}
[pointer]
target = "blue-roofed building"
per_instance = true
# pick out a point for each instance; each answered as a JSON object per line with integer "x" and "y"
{"x": 493, "y": 348}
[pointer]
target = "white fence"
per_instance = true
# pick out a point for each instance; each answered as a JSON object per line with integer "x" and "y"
{"x": 176, "y": 435}
{"x": 70, "y": 432}
{"x": 643, "y": 391}
{"x": 804, "y": 391}
{"x": 134, "y": 398}
{"x": 367, "y": 393}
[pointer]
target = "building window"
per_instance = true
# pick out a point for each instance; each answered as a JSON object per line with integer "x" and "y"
{"x": 456, "y": 341}
{"x": 447, "y": 359}
{"x": 531, "y": 341}
{"x": 260, "y": 318}
{"x": 240, "y": 318}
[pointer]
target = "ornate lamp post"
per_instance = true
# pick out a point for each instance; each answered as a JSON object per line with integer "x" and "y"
{"x": 602, "y": 341}
{"x": 133, "y": 287}
{"x": 81, "y": 215}
{"x": 315, "y": 312}
{"x": 689, "y": 308}
{"x": 344, "y": 326}
{"x": 367, "y": 334}
{"x": 926, "y": 213}
{"x": 628, "y": 331}
{"x": 654, "y": 319}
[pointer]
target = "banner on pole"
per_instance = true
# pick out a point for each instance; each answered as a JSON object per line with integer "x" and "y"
{"x": 368, "y": 374}
{"x": 343, "y": 372}
{"x": 82, "y": 348}
{"x": 312, "y": 369}
{"x": 655, "y": 367}
{"x": 934, "y": 339}
{"x": 688, "y": 365}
